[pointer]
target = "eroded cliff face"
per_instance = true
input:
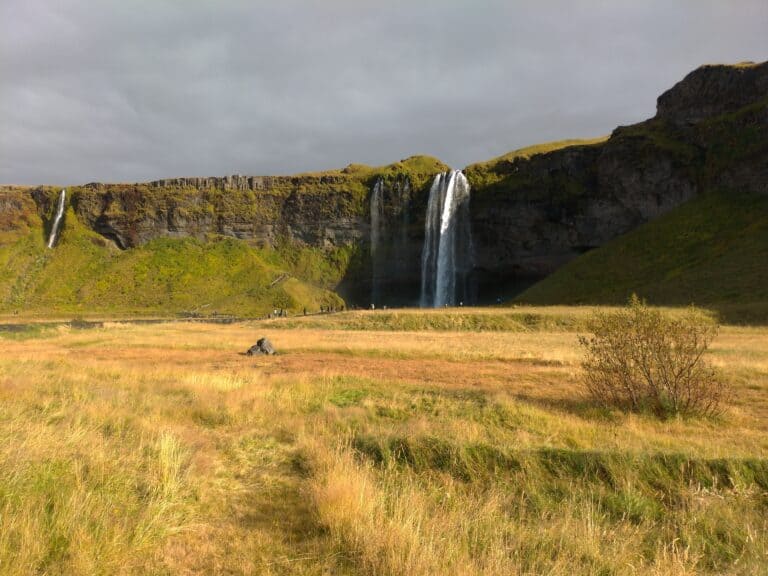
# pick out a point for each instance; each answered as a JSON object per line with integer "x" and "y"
{"x": 328, "y": 213}
{"x": 711, "y": 91}
{"x": 532, "y": 214}
{"x": 315, "y": 211}
{"x": 531, "y": 211}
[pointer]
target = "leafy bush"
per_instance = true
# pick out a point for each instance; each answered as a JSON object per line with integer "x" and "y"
{"x": 639, "y": 358}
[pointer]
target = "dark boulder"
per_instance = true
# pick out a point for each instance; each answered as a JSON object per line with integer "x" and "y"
{"x": 263, "y": 346}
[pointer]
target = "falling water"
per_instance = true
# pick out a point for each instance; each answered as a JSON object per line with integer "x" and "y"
{"x": 431, "y": 240}
{"x": 377, "y": 211}
{"x": 57, "y": 219}
{"x": 446, "y": 256}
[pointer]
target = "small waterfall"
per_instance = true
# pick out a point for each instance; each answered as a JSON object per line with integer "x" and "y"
{"x": 447, "y": 253}
{"x": 57, "y": 219}
{"x": 377, "y": 213}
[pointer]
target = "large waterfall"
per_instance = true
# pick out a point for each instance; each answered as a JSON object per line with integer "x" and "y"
{"x": 446, "y": 258}
{"x": 377, "y": 212}
{"x": 57, "y": 219}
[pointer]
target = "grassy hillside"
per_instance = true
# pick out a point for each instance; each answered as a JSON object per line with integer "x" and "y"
{"x": 710, "y": 251}
{"x": 85, "y": 274}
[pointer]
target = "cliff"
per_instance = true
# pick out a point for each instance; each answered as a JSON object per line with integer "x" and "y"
{"x": 326, "y": 210}
{"x": 532, "y": 210}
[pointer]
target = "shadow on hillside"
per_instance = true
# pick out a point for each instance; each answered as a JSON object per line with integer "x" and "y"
{"x": 754, "y": 314}
{"x": 583, "y": 407}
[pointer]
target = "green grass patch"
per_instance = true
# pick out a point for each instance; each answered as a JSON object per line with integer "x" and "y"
{"x": 84, "y": 273}
{"x": 521, "y": 319}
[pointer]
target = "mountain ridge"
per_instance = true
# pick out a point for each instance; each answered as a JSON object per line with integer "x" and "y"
{"x": 532, "y": 210}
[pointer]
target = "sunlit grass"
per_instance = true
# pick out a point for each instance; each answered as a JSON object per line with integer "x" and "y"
{"x": 161, "y": 449}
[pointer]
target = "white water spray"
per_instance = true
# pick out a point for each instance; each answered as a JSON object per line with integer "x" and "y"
{"x": 446, "y": 256}
{"x": 57, "y": 219}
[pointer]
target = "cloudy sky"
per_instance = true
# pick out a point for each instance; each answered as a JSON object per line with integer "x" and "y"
{"x": 132, "y": 90}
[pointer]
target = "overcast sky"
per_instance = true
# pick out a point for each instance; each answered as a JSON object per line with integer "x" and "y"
{"x": 133, "y": 90}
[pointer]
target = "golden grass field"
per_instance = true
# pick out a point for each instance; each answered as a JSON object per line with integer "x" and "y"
{"x": 359, "y": 449}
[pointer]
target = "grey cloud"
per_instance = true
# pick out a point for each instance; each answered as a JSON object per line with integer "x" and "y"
{"x": 128, "y": 90}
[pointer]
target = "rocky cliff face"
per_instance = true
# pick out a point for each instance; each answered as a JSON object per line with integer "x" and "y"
{"x": 531, "y": 211}
{"x": 533, "y": 214}
{"x": 711, "y": 91}
{"x": 16, "y": 208}
{"x": 315, "y": 211}
{"x": 327, "y": 212}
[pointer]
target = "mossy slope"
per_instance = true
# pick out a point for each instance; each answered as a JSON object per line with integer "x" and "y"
{"x": 85, "y": 274}
{"x": 710, "y": 251}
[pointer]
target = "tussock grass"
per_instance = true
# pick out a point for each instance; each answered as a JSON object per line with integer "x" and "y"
{"x": 152, "y": 449}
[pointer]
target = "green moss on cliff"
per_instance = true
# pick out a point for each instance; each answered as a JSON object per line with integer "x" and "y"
{"x": 486, "y": 175}
{"x": 420, "y": 170}
{"x": 542, "y": 148}
{"x": 655, "y": 136}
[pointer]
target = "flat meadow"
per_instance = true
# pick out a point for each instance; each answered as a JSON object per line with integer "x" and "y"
{"x": 386, "y": 442}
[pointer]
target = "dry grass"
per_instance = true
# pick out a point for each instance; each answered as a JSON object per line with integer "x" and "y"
{"x": 160, "y": 449}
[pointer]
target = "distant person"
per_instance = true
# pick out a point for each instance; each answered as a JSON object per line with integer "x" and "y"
{"x": 373, "y": 306}
{"x": 305, "y": 310}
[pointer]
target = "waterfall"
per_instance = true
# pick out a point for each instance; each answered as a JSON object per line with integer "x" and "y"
{"x": 431, "y": 239}
{"x": 447, "y": 253}
{"x": 377, "y": 212}
{"x": 57, "y": 219}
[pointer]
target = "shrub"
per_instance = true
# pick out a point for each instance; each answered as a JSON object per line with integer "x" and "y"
{"x": 639, "y": 358}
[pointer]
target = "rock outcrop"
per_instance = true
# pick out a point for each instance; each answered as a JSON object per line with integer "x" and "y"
{"x": 16, "y": 207}
{"x": 263, "y": 347}
{"x": 713, "y": 90}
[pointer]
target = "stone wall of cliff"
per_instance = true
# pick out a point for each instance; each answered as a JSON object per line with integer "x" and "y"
{"x": 327, "y": 213}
